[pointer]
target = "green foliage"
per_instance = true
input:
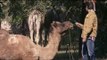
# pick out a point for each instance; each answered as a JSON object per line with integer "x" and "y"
{"x": 101, "y": 40}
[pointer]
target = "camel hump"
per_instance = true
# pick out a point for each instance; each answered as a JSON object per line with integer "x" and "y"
{"x": 13, "y": 39}
{"x": 3, "y": 34}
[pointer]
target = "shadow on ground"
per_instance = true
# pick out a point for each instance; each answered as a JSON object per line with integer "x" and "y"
{"x": 67, "y": 56}
{"x": 73, "y": 56}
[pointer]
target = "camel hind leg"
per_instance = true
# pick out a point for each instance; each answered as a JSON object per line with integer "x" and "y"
{"x": 31, "y": 35}
{"x": 37, "y": 36}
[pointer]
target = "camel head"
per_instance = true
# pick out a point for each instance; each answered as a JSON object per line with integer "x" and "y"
{"x": 67, "y": 25}
{"x": 61, "y": 27}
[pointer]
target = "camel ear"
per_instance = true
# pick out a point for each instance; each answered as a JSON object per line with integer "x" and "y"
{"x": 53, "y": 24}
{"x": 56, "y": 24}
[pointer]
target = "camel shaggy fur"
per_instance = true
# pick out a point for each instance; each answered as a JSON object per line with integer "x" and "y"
{"x": 35, "y": 21}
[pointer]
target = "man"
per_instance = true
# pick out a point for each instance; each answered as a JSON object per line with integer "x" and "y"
{"x": 89, "y": 32}
{"x": 93, "y": 1}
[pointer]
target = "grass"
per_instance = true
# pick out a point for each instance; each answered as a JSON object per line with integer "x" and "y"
{"x": 63, "y": 55}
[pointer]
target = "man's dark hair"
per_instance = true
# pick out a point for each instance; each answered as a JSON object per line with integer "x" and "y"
{"x": 90, "y": 5}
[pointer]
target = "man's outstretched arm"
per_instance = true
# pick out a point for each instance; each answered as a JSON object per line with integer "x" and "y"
{"x": 79, "y": 25}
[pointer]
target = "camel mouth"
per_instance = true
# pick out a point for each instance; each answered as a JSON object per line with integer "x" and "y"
{"x": 72, "y": 27}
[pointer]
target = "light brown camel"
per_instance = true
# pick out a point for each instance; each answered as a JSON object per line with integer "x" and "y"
{"x": 19, "y": 47}
{"x": 35, "y": 20}
{"x": 48, "y": 52}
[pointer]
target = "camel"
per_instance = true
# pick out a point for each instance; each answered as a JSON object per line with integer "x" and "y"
{"x": 35, "y": 21}
{"x": 19, "y": 47}
{"x": 48, "y": 52}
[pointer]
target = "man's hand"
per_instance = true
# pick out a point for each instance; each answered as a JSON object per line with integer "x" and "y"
{"x": 92, "y": 38}
{"x": 84, "y": 40}
{"x": 79, "y": 25}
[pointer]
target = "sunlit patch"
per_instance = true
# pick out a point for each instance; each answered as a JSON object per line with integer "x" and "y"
{"x": 13, "y": 40}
